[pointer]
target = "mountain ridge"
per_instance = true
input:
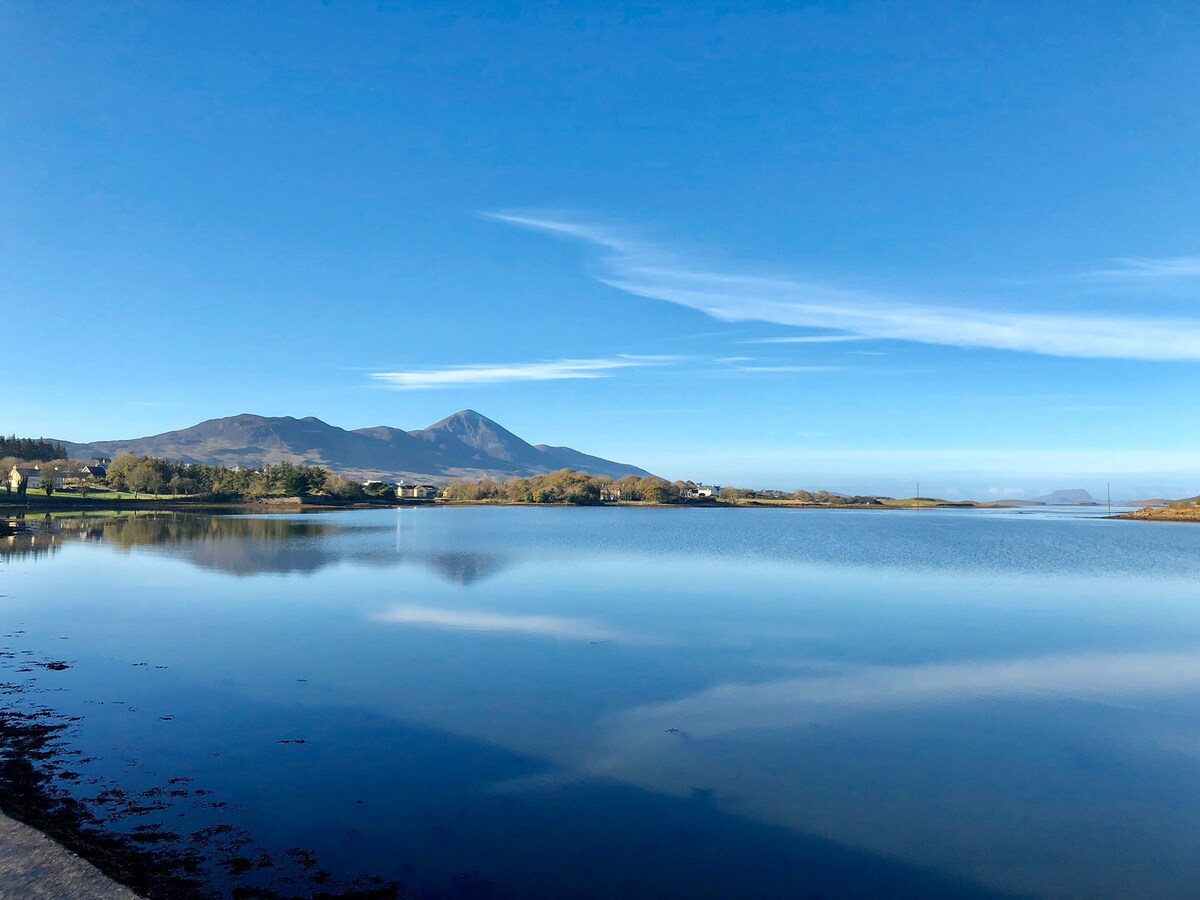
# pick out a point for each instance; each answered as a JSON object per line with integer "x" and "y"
{"x": 466, "y": 444}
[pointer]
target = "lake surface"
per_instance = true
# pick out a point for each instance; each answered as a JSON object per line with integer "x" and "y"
{"x": 523, "y": 702}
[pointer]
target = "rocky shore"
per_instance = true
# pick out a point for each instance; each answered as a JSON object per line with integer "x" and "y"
{"x": 1165, "y": 514}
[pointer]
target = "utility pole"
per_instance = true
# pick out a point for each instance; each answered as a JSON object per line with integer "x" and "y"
{"x": 918, "y": 496}
{"x": 1108, "y": 489}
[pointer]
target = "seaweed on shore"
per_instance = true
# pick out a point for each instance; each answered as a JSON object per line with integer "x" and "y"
{"x": 215, "y": 861}
{"x": 31, "y": 743}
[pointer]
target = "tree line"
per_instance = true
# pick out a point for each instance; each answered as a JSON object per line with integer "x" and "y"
{"x": 31, "y": 449}
{"x": 148, "y": 475}
{"x": 569, "y": 486}
{"x": 579, "y": 488}
{"x": 141, "y": 475}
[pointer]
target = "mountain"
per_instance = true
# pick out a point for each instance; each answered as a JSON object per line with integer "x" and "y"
{"x": 464, "y": 445}
{"x": 482, "y": 439}
{"x": 1074, "y": 497}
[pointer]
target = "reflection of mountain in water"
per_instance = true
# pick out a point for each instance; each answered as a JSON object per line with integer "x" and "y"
{"x": 465, "y": 566}
{"x": 238, "y": 546}
{"x": 235, "y": 545}
{"x": 244, "y": 546}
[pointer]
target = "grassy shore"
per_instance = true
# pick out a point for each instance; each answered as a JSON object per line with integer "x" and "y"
{"x": 62, "y": 496}
{"x": 120, "y": 500}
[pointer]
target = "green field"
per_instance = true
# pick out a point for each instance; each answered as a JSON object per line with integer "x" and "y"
{"x": 39, "y": 496}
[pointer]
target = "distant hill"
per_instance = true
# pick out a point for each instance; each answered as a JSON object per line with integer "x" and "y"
{"x": 464, "y": 445}
{"x": 1073, "y": 497}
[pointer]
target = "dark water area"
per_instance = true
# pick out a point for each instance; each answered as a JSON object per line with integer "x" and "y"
{"x": 522, "y": 702}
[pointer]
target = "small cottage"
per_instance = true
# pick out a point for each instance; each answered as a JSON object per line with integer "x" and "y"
{"x": 24, "y": 478}
{"x": 416, "y": 491}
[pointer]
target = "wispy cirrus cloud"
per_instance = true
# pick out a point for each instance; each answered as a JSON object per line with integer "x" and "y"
{"x": 1142, "y": 268}
{"x": 809, "y": 339}
{"x": 753, "y": 364}
{"x": 742, "y": 367}
{"x": 645, "y": 270}
{"x": 482, "y": 374}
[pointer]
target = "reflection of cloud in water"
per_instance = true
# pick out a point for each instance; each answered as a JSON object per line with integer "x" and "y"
{"x": 554, "y": 780}
{"x": 479, "y": 620}
{"x": 1092, "y": 677}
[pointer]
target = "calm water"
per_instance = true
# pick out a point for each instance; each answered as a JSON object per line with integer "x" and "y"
{"x": 513, "y": 702}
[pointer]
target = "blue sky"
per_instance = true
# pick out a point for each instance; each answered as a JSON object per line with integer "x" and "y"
{"x": 841, "y": 245}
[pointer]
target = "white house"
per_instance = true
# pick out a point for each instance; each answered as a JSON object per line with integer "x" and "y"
{"x": 416, "y": 491}
{"x": 29, "y": 477}
{"x": 702, "y": 490}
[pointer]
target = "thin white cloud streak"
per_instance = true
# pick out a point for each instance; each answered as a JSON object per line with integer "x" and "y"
{"x": 599, "y": 235}
{"x": 752, "y": 364}
{"x": 809, "y": 339}
{"x": 1145, "y": 268}
{"x": 742, "y": 368}
{"x": 645, "y": 271}
{"x": 477, "y": 620}
{"x": 547, "y": 370}
{"x": 1101, "y": 677}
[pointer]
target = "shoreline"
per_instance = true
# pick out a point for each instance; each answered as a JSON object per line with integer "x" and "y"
{"x": 57, "y": 843}
{"x": 34, "y": 865}
{"x": 1162, "y": 514}
{"x": 315, "y": 504}
{"x": 86, "y": 504}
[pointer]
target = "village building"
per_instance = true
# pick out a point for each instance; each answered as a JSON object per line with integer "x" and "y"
{"x": 417, "y": 491}
{"x": 30, "y": 478}
{"x": 702, "y": 490}
{"x": 27, "y": 478}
